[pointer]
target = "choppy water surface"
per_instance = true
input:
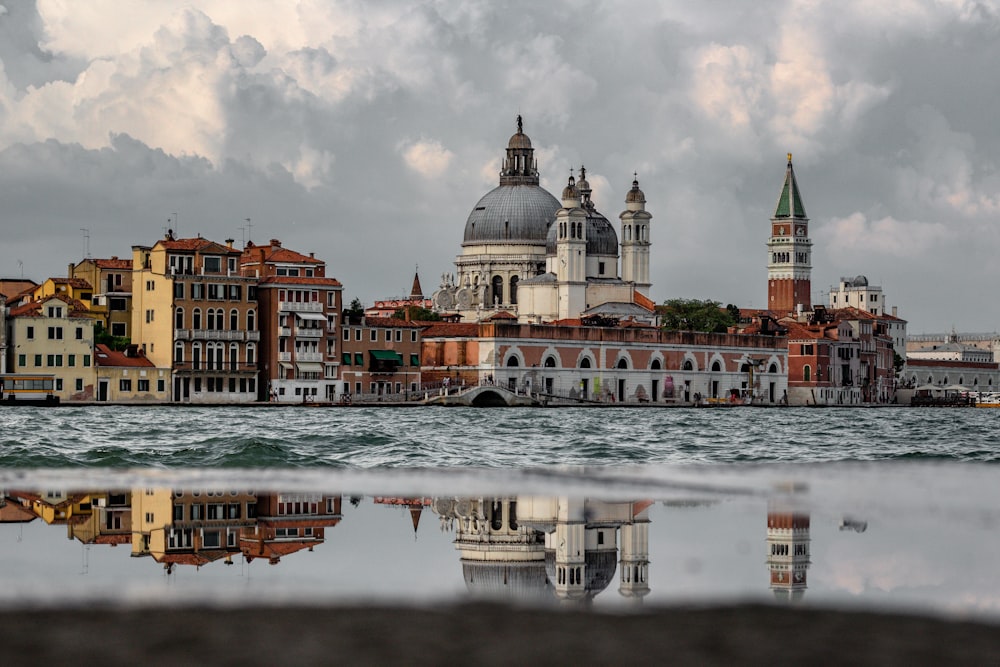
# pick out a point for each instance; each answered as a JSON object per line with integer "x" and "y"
{"x": 174, "y": 437}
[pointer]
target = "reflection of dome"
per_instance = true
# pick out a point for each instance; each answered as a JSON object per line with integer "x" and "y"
{"x": 601, "y": 236}
{"x": 601, "y": 567}
{"x": 506, "y": 580}
{"x": 512, "y": 214}
{"x": 860, "y": 281}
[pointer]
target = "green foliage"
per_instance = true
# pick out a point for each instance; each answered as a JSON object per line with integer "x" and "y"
{"x": 103, "y": 337}
{"x": 417, "y": 313}
{"x": 355, "y": 311}
{"x": 695, "y": 315}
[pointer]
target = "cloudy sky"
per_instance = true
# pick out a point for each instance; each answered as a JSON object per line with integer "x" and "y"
{"x": 366, "y": 132}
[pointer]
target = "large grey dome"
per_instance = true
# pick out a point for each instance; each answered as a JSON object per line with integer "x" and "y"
{"x": 601, "y": 237}
{"x": 512, "y": 214}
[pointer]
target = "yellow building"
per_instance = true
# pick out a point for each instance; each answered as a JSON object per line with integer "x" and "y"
{"x": 111, "y": 300}
{"x": 129, "y": 377}
{"x": 192, "y": 311}
{"x": 55, "y": 335}
{"x": 72, "y": 288}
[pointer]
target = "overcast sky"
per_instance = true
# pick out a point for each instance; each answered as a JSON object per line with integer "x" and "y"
{"x": 366, "y": 132}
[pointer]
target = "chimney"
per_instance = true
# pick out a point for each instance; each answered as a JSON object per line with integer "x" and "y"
{"x": 312, "y": 255}
{"x": 894, "y": 311}
{"x": 69, "y": 272}
{"x": 230, "y": 242}
{"x": 275, "y": 243}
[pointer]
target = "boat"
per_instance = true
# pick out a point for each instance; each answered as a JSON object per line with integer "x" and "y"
{"x": 985, "y": 399}
{"x": 28, "y": 389}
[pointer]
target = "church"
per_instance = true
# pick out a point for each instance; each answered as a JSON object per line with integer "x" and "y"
{"x": 530, "y": 256}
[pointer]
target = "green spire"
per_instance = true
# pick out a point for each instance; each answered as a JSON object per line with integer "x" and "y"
{"x": 789, "y": 202}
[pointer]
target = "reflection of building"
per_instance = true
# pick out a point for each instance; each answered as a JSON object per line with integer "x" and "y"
{"x": 414, "y": 505}
{"x": 787, "y": 550}
{"x": 289, "y": 522}
{"x": 500, "y": 557}
{"x": 190, "y": 527}
{"x": 533, "y": 546}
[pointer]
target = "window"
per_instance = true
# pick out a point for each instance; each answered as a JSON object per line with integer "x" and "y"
{"x": 125, "y": 385}
{"x": 79, "y": 333}
{"x": 161, "y": 386}
{"x": 347, "y": 334}
{"x": 413, "y": 336}
{"x": 251, "y": 292}
{"x": 399, "y": 335}
{"x": 142, "y": 385}
{"x": 150, "y": 285}
{"x": 196, "y": 318}
{"x": 215, "y": 292}
{"x": 212, "y": 265}
{"x": 178, "y": 290}
{"x": 346, "y": 358}
{"x": 22, "y": 360}
{"x": 197, "y": 291}
{"x": 118, "y": 329}
{"x": 149, "y": 316}
{"x": 55, "y": 311}
{"x": 251, "y": 320}
{"x": 55, "y": 333}
{"x": 373, "y": 335}
{"x": 359, "y": 359}
{"x": 38, "y": 360}
{"x": 251, "y": 353}
{"x": 117, "y": 304}
{"x": 806, "y": 374}
{"x": 79, "y": 384}
{"x": 234, "y": 319}
{"x": 59, "y": 384}
{"x": 388, "y": 335}
{"x": 179, "y": 318}
{"x": 235, "y": 291}
{"x": 30, "y": 333}
{"x": 414, "y": 359}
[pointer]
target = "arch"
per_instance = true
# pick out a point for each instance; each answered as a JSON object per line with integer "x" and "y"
{"x": 178, "y": 352}
{"x": 655, "y": 365}
{"x": 234, "y": 319}
{"x": 210, "y": 320}
{"x": 688, "y": 365}
{"x": 251, "y": 353}
{"x": 196, "y": 318}
{"x": 622, "y": 363}
{"x": 513, "y": 360}
{"x": 196, "y": 356}
{"x": 513, "y": 289}
{"x": 773, "y": 368}
{"x": 497, "y": 292}
{"x": 584, "y": 362}
{"x": 251, "y": 320}
{"x": 716, "y": 366}
{"x": 806, "y": 373}
{"x": 234, "y": 356}
{"x": 179, "y": 318}
{"x": 550, "y": 362}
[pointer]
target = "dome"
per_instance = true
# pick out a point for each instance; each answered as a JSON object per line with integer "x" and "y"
{"x": 602, "y": 239}
{"x": 635, "y": 195}
{"x": 570, "y": 191}
{"x": 860, "y": 281}
{"x": 519, "y": 140}
{"x": 512, "y": 214}
{"x": 506, "y": 580}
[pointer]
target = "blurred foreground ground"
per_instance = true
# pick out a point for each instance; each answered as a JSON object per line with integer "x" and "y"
{"x": 487, "y": 635}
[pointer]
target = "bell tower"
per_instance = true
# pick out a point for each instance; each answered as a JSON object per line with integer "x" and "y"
{"x": 789, "y": 251}
{"x": 571, "y": 253}
{"x": 635, "y": 239}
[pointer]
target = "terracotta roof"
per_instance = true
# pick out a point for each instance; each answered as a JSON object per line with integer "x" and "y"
{"x": 273, "y": 551}
{"x": 799, "y": 331}
{"x": 199, "y": 244}
{"x": 390, "y": 322}
{"x": 113, "y": 263}
{"x": 105, "y": 356}
{"x": 298, "y": 280}
{"x": 33, "y": 308}
{"x": 644, "y": 301}
{"x": 276, "y": 255}
{"x": 12, "y": 512}
{"x": 502, "y": 315}
{"x": 79, "y": 283}
{"x": 11, "y": 287}
{"x": 570, "y": 322}
{"x": 451, "y": 330}
{"x": 113, "y": 539}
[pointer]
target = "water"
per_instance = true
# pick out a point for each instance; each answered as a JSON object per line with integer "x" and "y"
{"x": 900, "y": 504}
{"x": 172, "y": 437}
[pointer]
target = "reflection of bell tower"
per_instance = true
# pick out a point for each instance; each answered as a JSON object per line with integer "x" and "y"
{"x": 789, "y": 250}
{"x": 787, "y": 550}
{"x": 634, "y": 565}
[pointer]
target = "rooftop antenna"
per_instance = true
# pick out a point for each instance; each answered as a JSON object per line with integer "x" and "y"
{"x": 86, "y": 242}
{"x": 20, "y": 266}
{"x": 176, "y": 225}
{"x": 249, "y": 230}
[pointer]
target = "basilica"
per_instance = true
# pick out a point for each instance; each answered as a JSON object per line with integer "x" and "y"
{"x": 530, "y": 256}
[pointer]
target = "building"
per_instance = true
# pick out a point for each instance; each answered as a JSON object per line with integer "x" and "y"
{"x": 3, "y": 334}
{"x": 299, "y": 321}
{"x": 127, "y": 376}
{"x": 195, "y": 312}
{"x": 389, "y": 307}
{"x": 380, "y": 358}
{"x": 544, "y": 259}
{"x": 789, "y": 251}
{"x": 72, "y": 288}
{"x": 111, "y": 300}
{"x": 54, "y": 335}
{"x": 581, "y": 362}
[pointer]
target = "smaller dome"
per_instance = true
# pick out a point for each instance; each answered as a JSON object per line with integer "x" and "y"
{"x": 635, "y": 195}
{"x": 583, "y": 185}
{"x": 860, "y": 281}
{"x": 519, "y": 139}
{"x": 570, "y": 191}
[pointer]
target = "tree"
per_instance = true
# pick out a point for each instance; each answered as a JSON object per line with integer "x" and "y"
{"x": 417, "y": 314}
{"x": 695, "y": 315}
{"x": 103, "y": 337}
{"x": 355, "y": 311}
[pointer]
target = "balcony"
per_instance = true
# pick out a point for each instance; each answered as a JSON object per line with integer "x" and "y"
{"x": 284, "y": 331}
{"x": 182, "y": 334}
{"x": 301, "y": 332}
{"x": 309, "y": 356}
{"x": 205, "y": 367}
{"x": 284, "y": 356}
{"x": 253, "y": 336}
{"x": 301, "y": 307}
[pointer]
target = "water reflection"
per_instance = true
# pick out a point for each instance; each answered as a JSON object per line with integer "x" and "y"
{"x": 529, "y": 548}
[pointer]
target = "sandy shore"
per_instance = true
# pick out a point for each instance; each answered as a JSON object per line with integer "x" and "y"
{"x": 485, "y": 635}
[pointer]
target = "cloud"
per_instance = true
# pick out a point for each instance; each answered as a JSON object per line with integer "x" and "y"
{"x": 427, "y": 157}
{"x": 886, "y": 237}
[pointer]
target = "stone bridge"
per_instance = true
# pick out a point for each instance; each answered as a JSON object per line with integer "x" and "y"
{"x": 484, "y": 396}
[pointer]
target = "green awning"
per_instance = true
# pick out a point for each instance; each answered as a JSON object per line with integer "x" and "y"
{"x": 359, "y": 359}
{"x": 414, "y": 359}
{"x": 387, "y": 355}
{"x": 346, "y": 358}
